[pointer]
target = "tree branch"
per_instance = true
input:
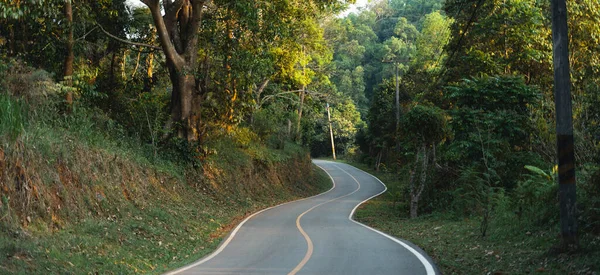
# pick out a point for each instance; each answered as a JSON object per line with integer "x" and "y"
{"x": 163, "y": 34}
{"x": 86, "y": 34}
{"x": 262, "y": 87}
{"x": 194, "y": 27}
{"x": 127, "y": 41}
{"x": 170, "y": 18}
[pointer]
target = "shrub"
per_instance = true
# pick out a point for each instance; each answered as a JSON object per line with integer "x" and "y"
{"x": 536, "y": 196}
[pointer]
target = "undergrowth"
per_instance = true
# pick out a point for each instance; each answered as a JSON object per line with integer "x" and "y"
{"x": 80, "y": 194}
{"x": 515, "y": 243}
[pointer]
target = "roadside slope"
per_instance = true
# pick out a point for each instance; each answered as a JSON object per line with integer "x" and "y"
{"x": 72, "y": 206}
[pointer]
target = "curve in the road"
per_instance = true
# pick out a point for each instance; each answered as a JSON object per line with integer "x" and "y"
{"x": 237, "y": 228}
{"x": 267, "y": 244}
{"x": 428, "y": 266}
{"x": 309, "y": 243}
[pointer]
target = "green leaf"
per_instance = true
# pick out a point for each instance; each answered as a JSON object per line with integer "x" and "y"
{"x": 537, "y": 171}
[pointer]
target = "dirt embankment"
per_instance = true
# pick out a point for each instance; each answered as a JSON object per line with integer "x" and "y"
{"x": 63, "y": 207}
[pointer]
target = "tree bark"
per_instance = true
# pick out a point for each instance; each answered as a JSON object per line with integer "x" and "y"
{"x": 178, "y": 35}
{"x": 564, "y": 125}
{"x": 123, "y": 65}
{"x": 69, "y": 54}
{"x": 414, "y": 207}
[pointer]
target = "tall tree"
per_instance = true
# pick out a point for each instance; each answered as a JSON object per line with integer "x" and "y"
{"x": 178, "y": 35}
{"x": 564, "y": 124}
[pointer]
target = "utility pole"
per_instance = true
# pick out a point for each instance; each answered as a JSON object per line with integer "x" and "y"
{"x": 331, "y": 132}
{"x": 564, "y": 125}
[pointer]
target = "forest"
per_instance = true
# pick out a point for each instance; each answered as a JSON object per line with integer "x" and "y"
{"x": 451, "y": 100}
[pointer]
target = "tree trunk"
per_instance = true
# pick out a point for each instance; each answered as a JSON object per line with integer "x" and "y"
{"x": 298, "y": 124}
{"x": 378, "y": 160}
{"x": 185, "y": 105}
{"x": 414, "y": 207}
{"x": 11, "y": 41}
{"x": 124, "y": 65}
{"x": 69, "y": 55}
{"x": 416, "y": 191}
{"x": 149, "y": 80}
{"x": 564, "y": 126}
{"x": 137, "y": 64}
{"x": 178, "y": 31}
{"x": 113, "y": 63}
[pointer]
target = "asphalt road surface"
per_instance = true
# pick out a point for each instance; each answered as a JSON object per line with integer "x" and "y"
{"x": 315, "y": 235}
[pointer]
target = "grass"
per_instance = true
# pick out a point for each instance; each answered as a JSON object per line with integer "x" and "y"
{"x": 512, "y": 246}
{"x": 130, "y": 239}
{"x": 79, "y": 196}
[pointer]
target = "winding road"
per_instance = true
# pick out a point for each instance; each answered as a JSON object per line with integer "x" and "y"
{"x": 315, "y": 235}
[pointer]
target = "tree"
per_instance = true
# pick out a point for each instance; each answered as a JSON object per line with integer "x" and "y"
{"x": 431, "y": 41}
{"x": 424, "y": 127}
{"x": 564, "y": 125}
{"x": 178, "y": 36}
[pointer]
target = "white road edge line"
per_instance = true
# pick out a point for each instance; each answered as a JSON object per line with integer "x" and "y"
{"x": 232, "y": 235}
{"x": 428, "y": 266}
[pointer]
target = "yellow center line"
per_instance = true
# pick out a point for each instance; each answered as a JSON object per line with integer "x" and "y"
{"x": 309, "y": 243}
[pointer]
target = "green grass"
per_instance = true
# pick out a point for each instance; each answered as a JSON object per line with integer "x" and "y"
{"x": 128, "y": 239}
{"x": 107, "y": 204}
{"x": 12, "y": 116}
{"x": 512, "y": 246}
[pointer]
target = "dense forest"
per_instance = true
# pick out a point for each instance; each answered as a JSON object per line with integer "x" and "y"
{"x": 475, "y": 128}
{"x": 453, "y": 98}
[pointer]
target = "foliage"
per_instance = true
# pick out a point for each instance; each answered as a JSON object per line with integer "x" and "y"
{"x": 382, "y": 126}
{"x": 424, "y": 125}
{"x": 345, "y": 121}
{"x": 536, "y": 196}
{"x": 494, "y": 106}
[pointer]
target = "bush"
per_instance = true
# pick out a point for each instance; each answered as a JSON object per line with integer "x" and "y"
{"x": 22, "y": 81}
{"x": 490, "y": 120}
{"x": 536, "y": 196}
{"x": 588, "y": 199}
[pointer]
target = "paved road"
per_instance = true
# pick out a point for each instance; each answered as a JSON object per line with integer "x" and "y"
{"x": 315, "y": 236}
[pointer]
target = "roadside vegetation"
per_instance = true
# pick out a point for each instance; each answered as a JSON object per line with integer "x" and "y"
{"x": 79, "y": 195}
{"x": 460, "y": 124}
{"x": 104, "y": 168}
{"x": 133, "y": 137}
{"x": 513, "y": 245}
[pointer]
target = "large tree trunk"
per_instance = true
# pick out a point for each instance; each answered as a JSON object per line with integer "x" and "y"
{"x": 185, "y": 105}
{"x": 178, "y": 35}
{"x": 69, "y": 54}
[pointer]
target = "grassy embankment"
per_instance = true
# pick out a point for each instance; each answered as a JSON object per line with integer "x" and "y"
{"x": 79, "y": 196}
{"x": 512, "y": 246}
